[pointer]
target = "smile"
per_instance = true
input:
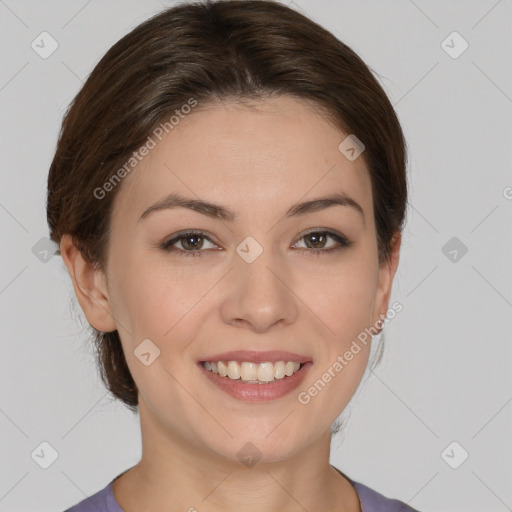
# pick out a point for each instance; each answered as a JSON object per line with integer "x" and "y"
{"x": 258, "y": 382}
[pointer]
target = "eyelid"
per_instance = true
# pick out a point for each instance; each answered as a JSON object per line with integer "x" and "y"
{"x": 322, "y": 230}
{"x": 181, "y": 234}
{"x": 342, "y": 242}
{"x": 207, "y": 235}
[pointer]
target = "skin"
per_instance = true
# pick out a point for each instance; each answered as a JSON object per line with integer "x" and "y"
{"x": 257, "y": 162}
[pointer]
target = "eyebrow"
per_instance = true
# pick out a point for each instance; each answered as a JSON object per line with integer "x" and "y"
{"x": 216, "y": 211}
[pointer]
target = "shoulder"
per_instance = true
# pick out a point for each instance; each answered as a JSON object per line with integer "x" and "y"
{"x": 373, "y": 501}
{"x": 102, "y": 500}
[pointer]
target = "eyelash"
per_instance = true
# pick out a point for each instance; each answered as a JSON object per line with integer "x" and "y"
{"x": 343, "y": 241}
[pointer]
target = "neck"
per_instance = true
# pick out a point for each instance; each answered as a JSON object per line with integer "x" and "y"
{"x": 174, "y": 474}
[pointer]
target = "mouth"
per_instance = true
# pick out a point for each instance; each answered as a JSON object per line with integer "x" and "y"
{"x": 257, "y": 379}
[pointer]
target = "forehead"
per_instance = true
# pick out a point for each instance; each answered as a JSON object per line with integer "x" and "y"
{"x": 269, "y": 154}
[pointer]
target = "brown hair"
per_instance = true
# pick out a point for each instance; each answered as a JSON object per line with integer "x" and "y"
{"x": 210, "y": 51}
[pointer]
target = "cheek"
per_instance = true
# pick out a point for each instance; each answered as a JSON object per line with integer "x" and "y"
{"x": 152, "y": 304}
{"x": 340, "y": 299}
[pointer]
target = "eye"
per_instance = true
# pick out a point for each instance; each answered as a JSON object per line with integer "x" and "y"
{"x": 315, "y": 239}
{"x": 191, "y": 242}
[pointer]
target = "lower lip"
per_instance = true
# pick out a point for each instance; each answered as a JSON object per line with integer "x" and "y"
{"x": 257, "y": 392}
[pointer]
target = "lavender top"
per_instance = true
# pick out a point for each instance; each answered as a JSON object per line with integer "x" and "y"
{"x": 371, "y": 501}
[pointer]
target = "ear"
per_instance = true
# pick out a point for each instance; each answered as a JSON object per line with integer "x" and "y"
{"x": 387, "y": 272}
{"x": 90, "y": 287}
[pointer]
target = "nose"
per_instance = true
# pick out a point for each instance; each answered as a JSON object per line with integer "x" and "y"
{"x": 260, "y": 294}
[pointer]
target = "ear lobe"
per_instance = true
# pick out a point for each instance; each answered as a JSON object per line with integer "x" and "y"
{"x": 386, "y": 275}
{"x": 90, "y": 286}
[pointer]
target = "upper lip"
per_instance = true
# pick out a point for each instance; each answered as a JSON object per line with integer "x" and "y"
{"x": 255, "y": 356}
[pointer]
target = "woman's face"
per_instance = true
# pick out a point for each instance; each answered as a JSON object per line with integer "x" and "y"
{"x": 248, "y": 283}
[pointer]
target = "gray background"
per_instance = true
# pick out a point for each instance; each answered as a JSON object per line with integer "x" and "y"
{"x": 446, "y": 374}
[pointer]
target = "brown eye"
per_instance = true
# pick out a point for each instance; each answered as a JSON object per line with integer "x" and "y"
{"x": 191, "y": 243}
{"x": 315, "y": 241}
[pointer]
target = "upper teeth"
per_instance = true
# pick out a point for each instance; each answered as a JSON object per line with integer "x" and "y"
{"x": 257, "y": 372}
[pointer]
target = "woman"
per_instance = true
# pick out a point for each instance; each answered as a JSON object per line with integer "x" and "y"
{"x": 228, "y": 194}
